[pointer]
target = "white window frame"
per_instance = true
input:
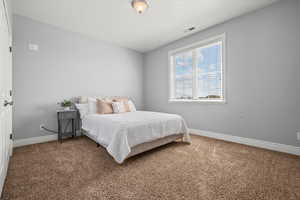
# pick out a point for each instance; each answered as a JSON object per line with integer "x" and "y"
{"x": 210, "y": 41}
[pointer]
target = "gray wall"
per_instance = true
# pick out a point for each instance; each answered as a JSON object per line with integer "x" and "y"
{"x": 66, "y": 65}
{"x": 263, "y": 58}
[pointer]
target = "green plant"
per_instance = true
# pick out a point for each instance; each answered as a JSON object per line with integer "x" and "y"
{"x": 65, "y": 103}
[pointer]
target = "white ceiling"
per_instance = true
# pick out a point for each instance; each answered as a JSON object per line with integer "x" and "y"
{"x": 114, "y": 21}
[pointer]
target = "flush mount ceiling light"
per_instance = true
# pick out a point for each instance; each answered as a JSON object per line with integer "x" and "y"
{"x": 140, "y": 5}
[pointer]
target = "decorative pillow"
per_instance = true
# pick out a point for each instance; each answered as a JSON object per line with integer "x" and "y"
{"x": 107, "y": 99}
{"x": 83, "y": 109}
{"x": 118, "y": 107}
{"x": 92, "y": 104}
{"x": 104, "y": 107}
{"x": 82, "y": 100}
{"x": 124, "y": 100}
{"x": 131, "y": 106}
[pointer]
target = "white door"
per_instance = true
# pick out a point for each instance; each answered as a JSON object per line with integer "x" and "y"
{"x": 5, "y": 94}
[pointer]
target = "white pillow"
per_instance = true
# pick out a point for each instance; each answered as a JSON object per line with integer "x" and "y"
{"x": 83, "y": 100}
{"x": 118, "y": 107}
{"x": 92, "y": 105}
{"x": 131, "y": 106}
{"x": 83, "y": 109}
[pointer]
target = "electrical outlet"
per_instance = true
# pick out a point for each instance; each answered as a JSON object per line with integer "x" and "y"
{"x": 41, "y": 127}
{"x": 33, "y": 47}
{"x": 298, "y": 135}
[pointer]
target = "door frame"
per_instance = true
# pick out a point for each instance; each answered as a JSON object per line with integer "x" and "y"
{"x": 9, "y": 28}
{"x": 7, "y": 150}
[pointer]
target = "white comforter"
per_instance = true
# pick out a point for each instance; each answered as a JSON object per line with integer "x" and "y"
{"x": 119, "y": 132}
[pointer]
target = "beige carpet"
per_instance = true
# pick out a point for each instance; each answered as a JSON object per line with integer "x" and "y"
{"x": 208, "y": 169}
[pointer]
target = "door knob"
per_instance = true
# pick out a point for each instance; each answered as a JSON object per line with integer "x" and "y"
{"x": 6, "y": 103}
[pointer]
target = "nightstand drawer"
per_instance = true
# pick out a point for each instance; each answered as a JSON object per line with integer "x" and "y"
{"x": 67, "y": 115}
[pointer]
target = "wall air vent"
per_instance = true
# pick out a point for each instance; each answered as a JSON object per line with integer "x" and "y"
{"x": 190, "y": 29}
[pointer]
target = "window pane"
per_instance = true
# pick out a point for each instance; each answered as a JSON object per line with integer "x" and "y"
{"x": 209, "y": 72}
{"x": 183, "y": 75}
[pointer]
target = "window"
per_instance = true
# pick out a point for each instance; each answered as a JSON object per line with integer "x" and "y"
{"x": 197, "y": 72}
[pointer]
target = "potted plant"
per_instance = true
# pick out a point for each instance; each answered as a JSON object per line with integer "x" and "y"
{"x": 65, "y": 104}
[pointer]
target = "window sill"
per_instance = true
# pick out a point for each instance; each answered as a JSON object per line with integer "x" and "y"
{"x": 213, "y": 101}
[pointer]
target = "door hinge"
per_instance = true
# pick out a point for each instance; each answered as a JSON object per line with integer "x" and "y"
{"x": 10, "y": 93}
{"x": 11, "y": 136}
{"x": 10, "y": 49}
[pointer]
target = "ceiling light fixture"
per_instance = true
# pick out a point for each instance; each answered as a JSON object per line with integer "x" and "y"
{"x": 140, "y": 5}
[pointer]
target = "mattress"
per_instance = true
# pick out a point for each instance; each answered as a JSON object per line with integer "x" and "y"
{"x": 119, "y": 133}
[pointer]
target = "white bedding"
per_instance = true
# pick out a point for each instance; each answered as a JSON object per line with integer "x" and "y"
{"x": 118, "y": 133}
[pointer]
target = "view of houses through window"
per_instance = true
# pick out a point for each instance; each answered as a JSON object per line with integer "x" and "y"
{"x": 197, "y": 73}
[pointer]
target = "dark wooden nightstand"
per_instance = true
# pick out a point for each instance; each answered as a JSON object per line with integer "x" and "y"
{"x": 65, "y": 115}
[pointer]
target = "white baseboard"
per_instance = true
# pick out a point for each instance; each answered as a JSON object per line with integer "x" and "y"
{"x": 34, "y": 140}
{"x": 248, "y": 141}
{"x": 241, "y": 140}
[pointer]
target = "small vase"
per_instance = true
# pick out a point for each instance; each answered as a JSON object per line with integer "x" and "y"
{"x": 66, "y": 108}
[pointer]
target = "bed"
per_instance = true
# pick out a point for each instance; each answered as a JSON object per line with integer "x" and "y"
{"x": 127, "y": 134}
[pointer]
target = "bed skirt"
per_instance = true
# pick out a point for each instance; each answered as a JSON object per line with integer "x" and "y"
{"x": 145, "y": 146}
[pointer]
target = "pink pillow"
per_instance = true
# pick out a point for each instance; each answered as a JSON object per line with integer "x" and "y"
{"x": 104, "y": 107}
